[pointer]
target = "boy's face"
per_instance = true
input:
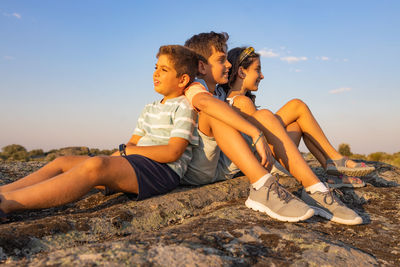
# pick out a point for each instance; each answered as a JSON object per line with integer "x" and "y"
{"x": 217, "y": 69}
{"x": 165, "y": 80}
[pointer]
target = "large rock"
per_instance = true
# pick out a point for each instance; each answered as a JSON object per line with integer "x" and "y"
{"x": 203, "y": 226}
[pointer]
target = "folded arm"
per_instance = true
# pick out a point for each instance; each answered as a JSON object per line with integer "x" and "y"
{"x": 221, "y": 111}
{"x": 161, "y": 153}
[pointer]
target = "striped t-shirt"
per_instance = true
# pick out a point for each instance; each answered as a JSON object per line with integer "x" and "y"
{"x": 159, "y": 122}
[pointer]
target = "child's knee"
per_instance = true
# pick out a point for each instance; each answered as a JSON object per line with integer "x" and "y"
{"x": 61, "y": 162}
{"x": 297, "y": 104}
{"x": 94, "y": 168}
{"x": 265, "y": 114}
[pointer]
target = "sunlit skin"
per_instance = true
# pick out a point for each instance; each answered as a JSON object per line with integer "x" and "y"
{"x": 251, "y": 78}
{"x": 68, "y": 178}
{"x": 166, "y": 81}
{"x": 217, "y": 119}
{"x": 297, "y": 122}
{"x": 216, "y": 70}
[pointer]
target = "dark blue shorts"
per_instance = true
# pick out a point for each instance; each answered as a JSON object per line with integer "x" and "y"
{"x": 153, "y": 178}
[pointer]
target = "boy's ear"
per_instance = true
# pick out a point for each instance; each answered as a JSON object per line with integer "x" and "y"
{"x": 202, "y": 67}
{"x": 241, "y": 73}
{"x": 184, "y": 80}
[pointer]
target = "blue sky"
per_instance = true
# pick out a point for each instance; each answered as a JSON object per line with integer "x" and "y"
{"x": 77, "y": 73}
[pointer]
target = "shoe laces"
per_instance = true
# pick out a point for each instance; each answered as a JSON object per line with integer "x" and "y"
{"x": 282, "y": 193}
{"x": 329, "y": 196}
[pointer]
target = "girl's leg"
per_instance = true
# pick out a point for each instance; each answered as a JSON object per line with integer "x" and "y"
{"x": 283, "y": 147}
{"x": 295, "y": 133}
{"x": 234, "y": 146}
{"x": 113, "y": 172}
{"x": 297, "y": 111}
{"x": 53, "y": 168}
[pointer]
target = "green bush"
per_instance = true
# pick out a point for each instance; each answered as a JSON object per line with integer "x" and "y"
{"x": 345, "y": 150}
{"x": 378, "y": 156}
{"x": 36, "y": 152}
{"x": 358, "y": 156}
{"x": 395, "y": 162}
{"x": 19, "y": 156}
{"x": 95, "y": 151}
{"x": 11, "y": 149}
{"x": 107, "y": 152}
{"x": 15, "y": 152}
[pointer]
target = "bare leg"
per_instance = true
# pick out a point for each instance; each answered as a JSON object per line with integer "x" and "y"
{"x": 283, "y": 147}
{"x": 113, "y": 172}
{"x": 297, "y": 111}
{"x": 295, "y": 133}
{"x": 56, "y": 167}
{"x": 234, "y": 146}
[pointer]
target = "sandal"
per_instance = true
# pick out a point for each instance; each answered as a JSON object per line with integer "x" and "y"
{"x": 339, "y": 166}
{"x": 344, "y": 181}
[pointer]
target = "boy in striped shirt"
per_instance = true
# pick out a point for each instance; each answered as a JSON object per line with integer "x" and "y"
{"x": 152, "y": 162}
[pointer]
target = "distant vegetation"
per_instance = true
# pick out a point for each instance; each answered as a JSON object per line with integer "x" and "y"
{"x": 19, "y": 153}
{"x": 392, "y": 159}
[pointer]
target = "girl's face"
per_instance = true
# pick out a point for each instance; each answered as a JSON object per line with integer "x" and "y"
{"x": 253, "y": 76}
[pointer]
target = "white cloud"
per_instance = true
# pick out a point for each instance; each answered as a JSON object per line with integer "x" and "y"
{"x": 345, "y": 60}
{"x": 293, "y": 59}
{"x": 267, "y": 53}
{"x": 9, "y": 57}
{"x": 323, "y": 58}
{"x": 340, "y": 90}
{"x": 16, "y": 15}
{"x": 297, "y": 70}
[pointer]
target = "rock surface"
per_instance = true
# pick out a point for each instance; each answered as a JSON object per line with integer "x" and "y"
{"x": 202, "y": 226}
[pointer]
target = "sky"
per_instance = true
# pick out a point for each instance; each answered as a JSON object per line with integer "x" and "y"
{"x": 78, "y": 73}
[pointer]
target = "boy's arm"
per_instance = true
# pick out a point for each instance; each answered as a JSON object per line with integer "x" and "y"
{"x": 162, "y": 153}
{"x": 180, "y": 135}
{"x": 132, "y": 142}
{"x": 221, "y": 111}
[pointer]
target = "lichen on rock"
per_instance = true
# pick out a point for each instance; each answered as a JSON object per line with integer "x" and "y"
{"x": 202, "y": 226}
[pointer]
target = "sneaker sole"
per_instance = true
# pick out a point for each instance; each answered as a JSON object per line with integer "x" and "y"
{"x": 322, "y": 213}
{"x": 349, "y": 171}
{"x": 346, "y": 185}
{"x": 259, "y": 207}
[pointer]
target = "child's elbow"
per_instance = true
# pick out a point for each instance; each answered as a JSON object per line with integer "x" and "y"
{"x": 175, "y": 154}
{"x": 201, "y": 101}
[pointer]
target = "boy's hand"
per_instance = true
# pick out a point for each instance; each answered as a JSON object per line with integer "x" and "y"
{"x": 265, "y": 153}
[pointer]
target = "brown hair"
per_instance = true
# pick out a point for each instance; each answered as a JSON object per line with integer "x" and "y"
{"x": 234, "y": 59}
{"x": 184, "y": 60}
{"x": 202, "y": 43}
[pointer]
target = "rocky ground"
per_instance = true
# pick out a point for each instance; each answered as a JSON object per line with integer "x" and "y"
{"x": 202, "y": 226}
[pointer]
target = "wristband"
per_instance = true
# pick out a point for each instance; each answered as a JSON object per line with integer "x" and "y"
{"x": 122, "y": 148}
{"x": 258, "y": 138}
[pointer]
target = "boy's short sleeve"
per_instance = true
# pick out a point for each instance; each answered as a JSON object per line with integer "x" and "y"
{"x": 185, "y": 125}
{"x": 194, "y": 89}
